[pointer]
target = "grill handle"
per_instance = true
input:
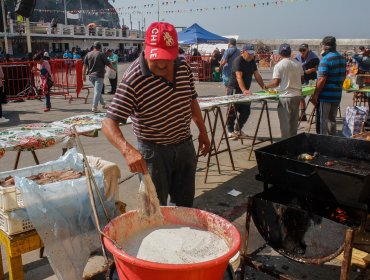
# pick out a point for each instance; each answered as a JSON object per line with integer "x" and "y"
{"x": 301, "y": 174}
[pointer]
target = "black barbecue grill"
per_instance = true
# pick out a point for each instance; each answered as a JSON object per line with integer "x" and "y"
{"x": 310, "y": 209}
{"x": 347, "y": 179}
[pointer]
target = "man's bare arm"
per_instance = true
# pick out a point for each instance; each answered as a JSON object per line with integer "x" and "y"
{"x": 204, "y": 143}
{"x": 319, "y": 86}
{"x": 239, "y": 78}
{"x": 259, "y": 79}
{"x": 275, "y": 83}
{"x": 133, "y": 157}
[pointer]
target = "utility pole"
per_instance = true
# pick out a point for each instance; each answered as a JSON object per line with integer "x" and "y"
{"x": 5, "y": 27}
{"x": 81, "y": 12}
{"x": 65, "y": 11}
{"x": 158, "y": 9}
{"x": 28, "y": 37}
{"x": 130, "y": 23}
{"x": 139, "y": 30}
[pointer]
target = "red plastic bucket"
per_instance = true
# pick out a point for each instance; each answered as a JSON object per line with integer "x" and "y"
{"x": 131, "y": 268}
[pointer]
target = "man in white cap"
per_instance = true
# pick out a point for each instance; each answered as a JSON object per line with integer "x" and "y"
{"x": 158, "y": 93}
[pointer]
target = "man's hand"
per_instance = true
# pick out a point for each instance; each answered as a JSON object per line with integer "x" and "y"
{"x": 314, "y": 99}
{"x": 135, "y": 160}
{"x": 247, "y": 92}
{"x": 204, "y": 144}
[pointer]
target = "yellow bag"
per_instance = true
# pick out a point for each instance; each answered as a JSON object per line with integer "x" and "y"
{"x": 347, "y": 83}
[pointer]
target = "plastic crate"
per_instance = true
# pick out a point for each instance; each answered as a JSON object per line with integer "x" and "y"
{"x": 12, "y": 225}
{"x": 10, "y": 198}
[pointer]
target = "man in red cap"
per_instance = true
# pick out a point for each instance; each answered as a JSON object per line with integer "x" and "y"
{"x": 157, "y": 91}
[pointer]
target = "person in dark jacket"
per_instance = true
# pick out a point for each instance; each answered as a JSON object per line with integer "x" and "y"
{"x": 310, "y": 63}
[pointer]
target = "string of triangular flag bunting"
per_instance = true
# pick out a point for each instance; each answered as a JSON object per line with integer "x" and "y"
{"x": 146, "y": 8}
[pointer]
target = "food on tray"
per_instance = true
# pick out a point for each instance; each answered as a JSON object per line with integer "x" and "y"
{"x": 44, "y": 178}
{"x": 272, "y": 91}
{"x": 7, "y": 181}
{"x": 305, "y": 156}
{"x": 330, "y": 163}
{"x": 362, "y": 136}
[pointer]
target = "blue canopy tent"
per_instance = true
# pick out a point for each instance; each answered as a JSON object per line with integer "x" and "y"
{"x": 195, "y": 34}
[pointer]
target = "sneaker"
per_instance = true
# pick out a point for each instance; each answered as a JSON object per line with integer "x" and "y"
{"x": 46, "y": 109}
{"x": 241, "y": 134}
{"x": 95, "y": 110}
{"x": 105, "y": 106}
{"x": 3, "y": 120}
{"x": 232, "y": 135}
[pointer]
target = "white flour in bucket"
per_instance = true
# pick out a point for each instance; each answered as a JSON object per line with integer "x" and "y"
{"x": 175, "y": 244}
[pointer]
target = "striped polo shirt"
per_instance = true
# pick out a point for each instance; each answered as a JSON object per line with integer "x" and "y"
{"x": 160, "y": 110}
{"x": 333, "y": 67}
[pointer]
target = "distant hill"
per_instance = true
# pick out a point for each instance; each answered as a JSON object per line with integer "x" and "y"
{"x": 104, "y": 19}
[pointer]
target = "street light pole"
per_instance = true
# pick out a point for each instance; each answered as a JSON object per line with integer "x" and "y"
{"x": 158, "y": 9}
{"x": 5, "y": 27}
{"x": 82, "y": 14}
{"x": 65, "y": 12}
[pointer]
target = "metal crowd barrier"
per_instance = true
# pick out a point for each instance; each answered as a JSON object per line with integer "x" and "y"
{"x": 20, "y": 82}
{"x": 201, "y": 67}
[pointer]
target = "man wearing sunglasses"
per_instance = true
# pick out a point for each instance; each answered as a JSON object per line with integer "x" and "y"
{"x": 310, "y": 63}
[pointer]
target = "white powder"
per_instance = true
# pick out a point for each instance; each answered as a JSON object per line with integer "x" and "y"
{"x": 175, "y": 244}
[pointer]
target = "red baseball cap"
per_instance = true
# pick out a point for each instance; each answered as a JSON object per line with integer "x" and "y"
{"x": 161, "y": 41}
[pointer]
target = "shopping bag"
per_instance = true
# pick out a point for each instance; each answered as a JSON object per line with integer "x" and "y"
{"x": 347, "y": 83}
{"x": 111, "y": 74}
{"x": 354, "y": 119}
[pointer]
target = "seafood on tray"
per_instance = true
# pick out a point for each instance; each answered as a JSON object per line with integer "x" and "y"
{"x": 306, "y": 157}
{"x": 44, "y": 178}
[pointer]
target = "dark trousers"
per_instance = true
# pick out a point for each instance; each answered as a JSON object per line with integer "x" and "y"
{"x": 317, "y": 118}
{"x": 113, "y": 83}
{"x": 244, "y": 111}
{"x": 172, "y": 168}
{"x": 47, "y": 100}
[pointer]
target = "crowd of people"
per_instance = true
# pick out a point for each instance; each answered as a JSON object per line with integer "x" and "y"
{"x": 289, "y": 74}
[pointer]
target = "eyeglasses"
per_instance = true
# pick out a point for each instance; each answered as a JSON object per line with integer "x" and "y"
{"x": 302, "y": 50}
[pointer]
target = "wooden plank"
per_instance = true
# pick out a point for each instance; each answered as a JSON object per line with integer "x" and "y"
{"x": 359, "y": 258}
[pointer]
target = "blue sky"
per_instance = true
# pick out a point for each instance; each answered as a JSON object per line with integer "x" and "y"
{"x": 293, "y": 19}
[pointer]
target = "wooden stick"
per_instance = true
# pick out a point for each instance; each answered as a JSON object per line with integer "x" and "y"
{"x": 347, "y": 255}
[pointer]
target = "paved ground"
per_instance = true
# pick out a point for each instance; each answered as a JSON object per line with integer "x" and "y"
{"x": 211, "y": 196}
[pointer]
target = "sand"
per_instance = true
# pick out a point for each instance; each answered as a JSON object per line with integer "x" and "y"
{"x": 175, "y": 244}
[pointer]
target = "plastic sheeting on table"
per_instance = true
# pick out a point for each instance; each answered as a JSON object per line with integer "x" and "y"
{"x": 62, "y": 216}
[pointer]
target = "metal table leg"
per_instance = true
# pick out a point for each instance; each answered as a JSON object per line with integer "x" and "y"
{"x": 254, "y": 143}
{"x": 311, "y": 118}
{"x": 215, "y": 151}
{"x": 19, "y": 155}
{"x": 17, "y": 159}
